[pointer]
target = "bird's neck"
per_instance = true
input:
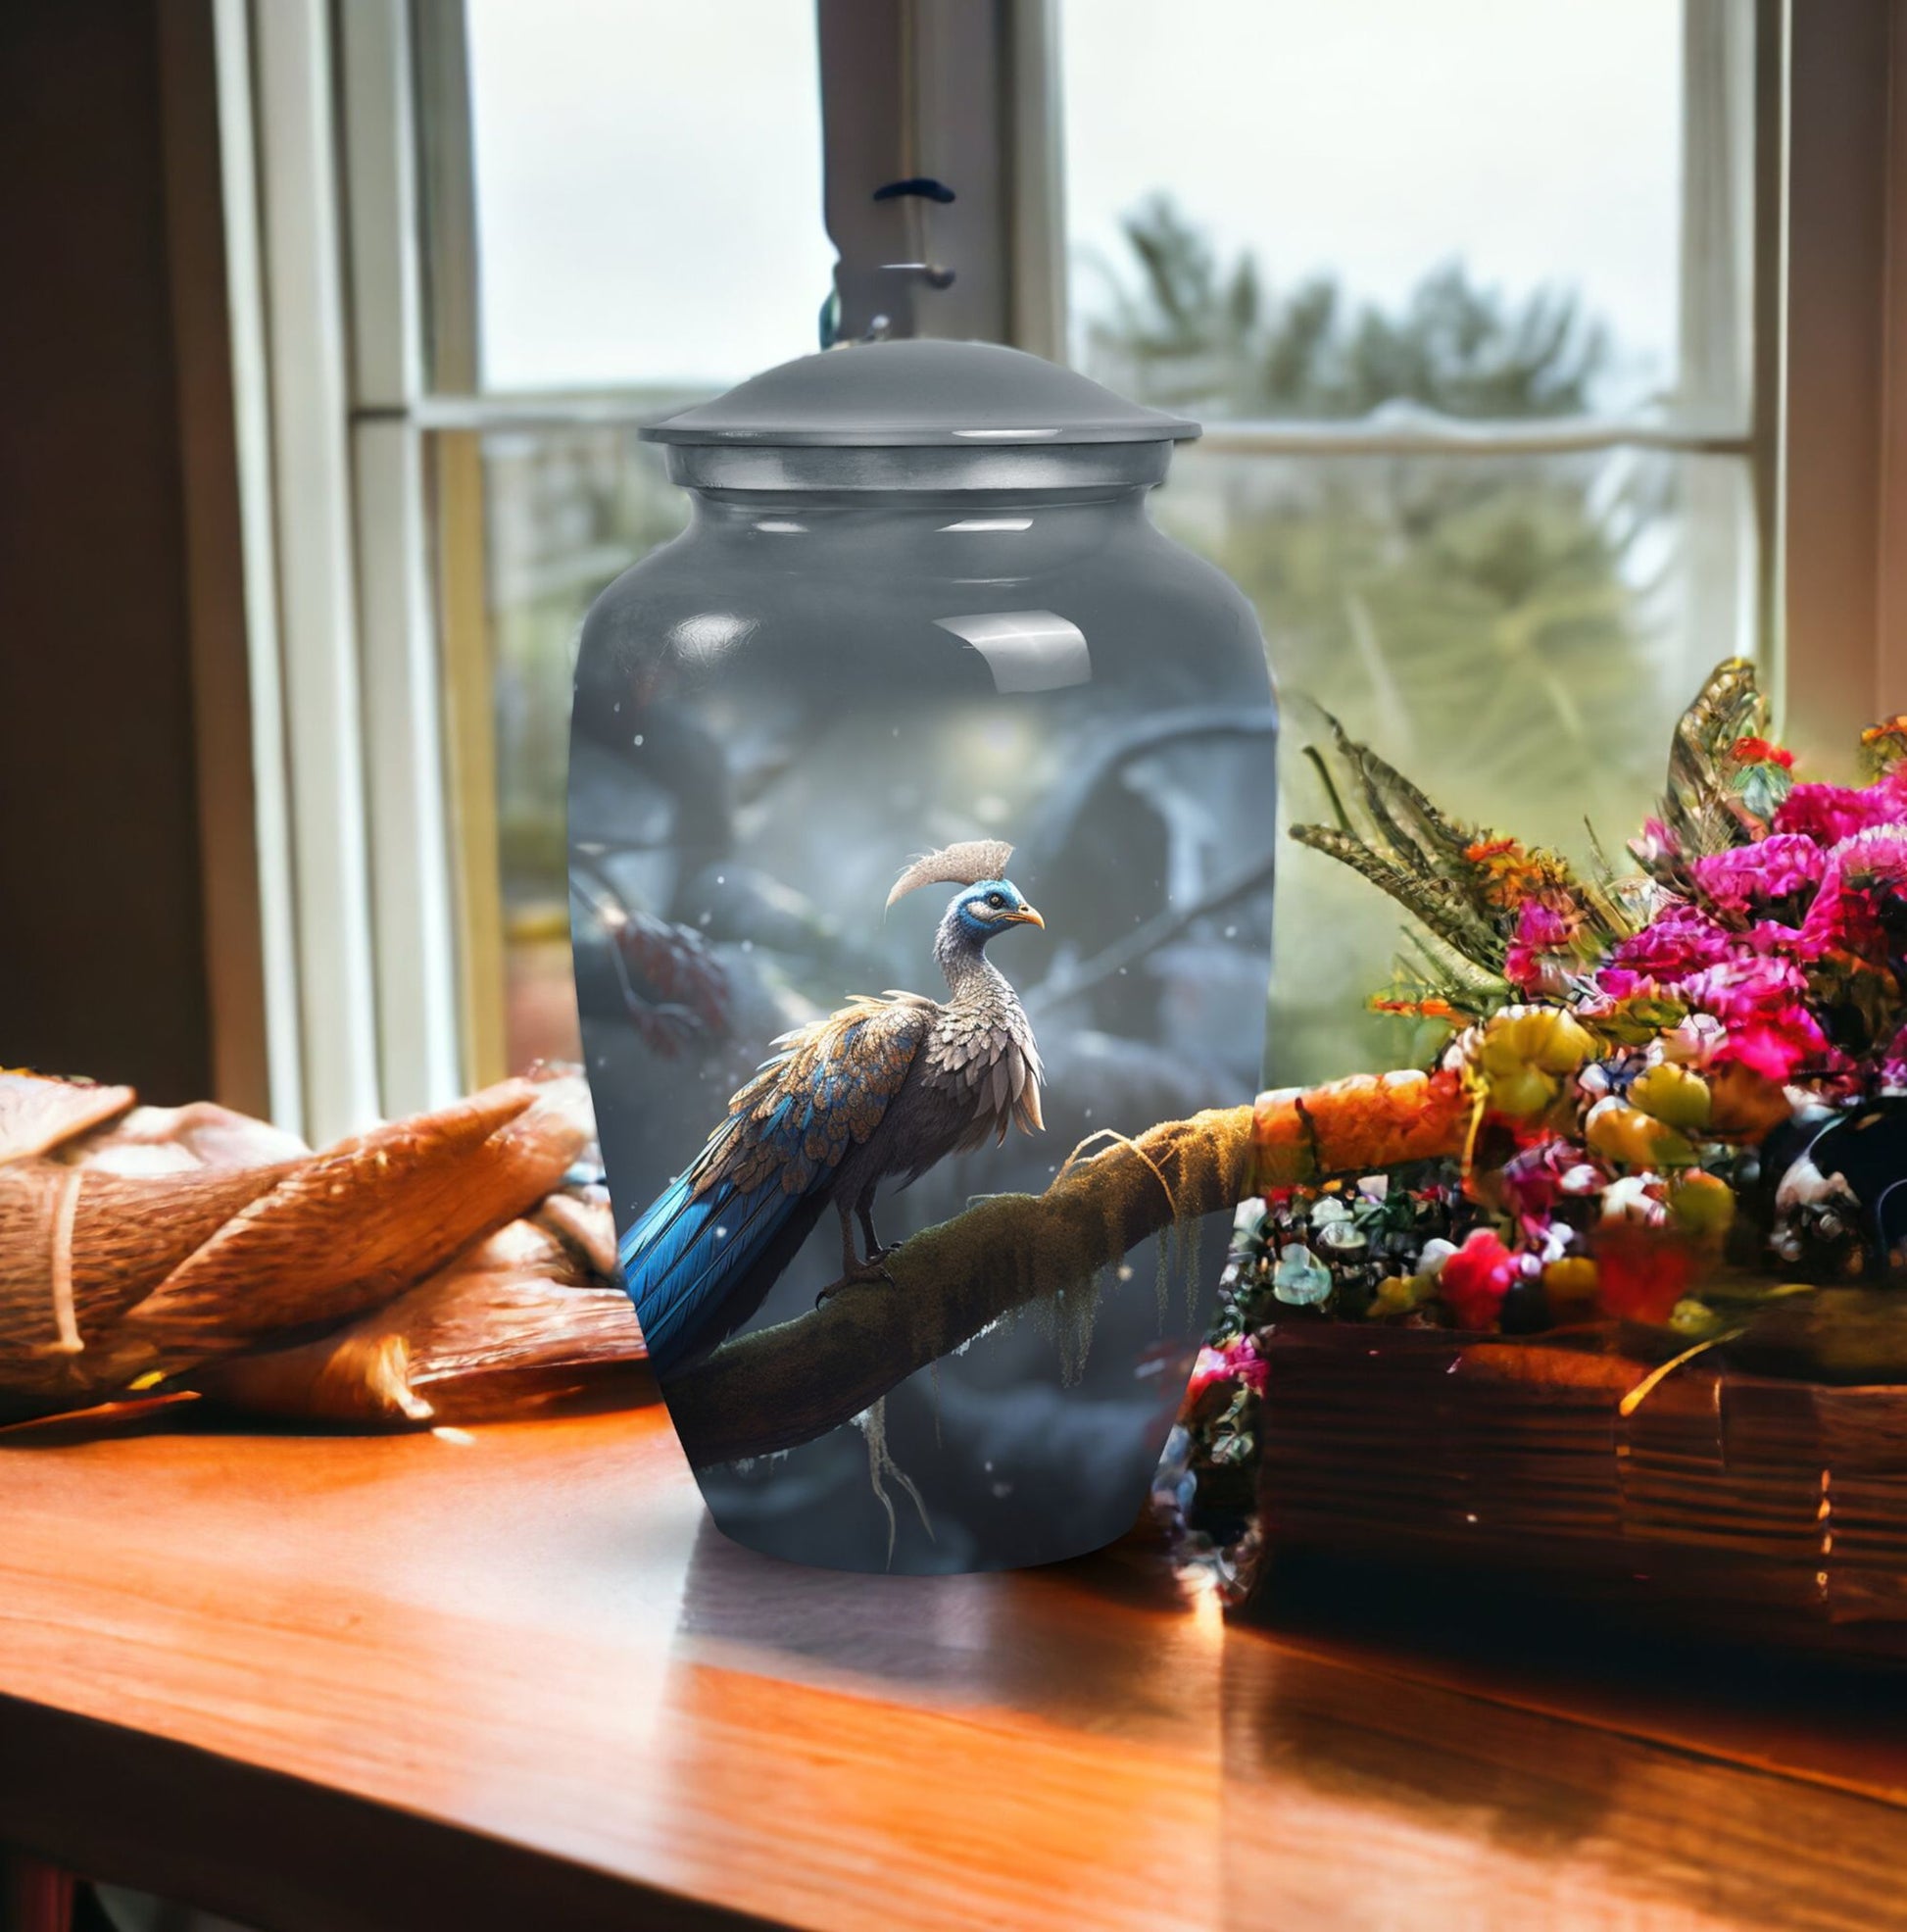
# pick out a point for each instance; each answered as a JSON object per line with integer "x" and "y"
{"x": 970, "y": 975}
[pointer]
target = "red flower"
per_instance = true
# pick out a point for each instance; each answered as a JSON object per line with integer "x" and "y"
{"x": 1846, "y": 917}
{"x": 1641, "y": 1273}
{"x": 1476, "y": 1279}
{"x": 1758, "y": 751}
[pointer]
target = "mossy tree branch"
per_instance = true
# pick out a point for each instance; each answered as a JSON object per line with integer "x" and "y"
{"x": 782, "y": 1386}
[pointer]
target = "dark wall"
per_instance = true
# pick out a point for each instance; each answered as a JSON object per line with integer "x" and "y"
{"x": 102, "y": 968}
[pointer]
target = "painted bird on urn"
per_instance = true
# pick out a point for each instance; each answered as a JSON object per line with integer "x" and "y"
{"x": 883, "y": 1088}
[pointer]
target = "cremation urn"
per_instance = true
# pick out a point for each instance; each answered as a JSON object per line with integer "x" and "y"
{"x": 922, "y": 827}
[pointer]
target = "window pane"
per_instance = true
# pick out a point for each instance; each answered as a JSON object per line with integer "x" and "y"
{"x": 1490, "y": 211}
{"x": 1516, "y": 635}
{"x": 648, "y": 190}
{"x": 1330, "y": 201}
{"x": 564, "y": 512}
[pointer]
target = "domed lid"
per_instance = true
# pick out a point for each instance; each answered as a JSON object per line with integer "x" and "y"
{"x": 918, "y": 394}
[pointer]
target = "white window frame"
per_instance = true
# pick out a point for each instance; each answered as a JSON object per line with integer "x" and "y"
{"x": 372, "y": 743}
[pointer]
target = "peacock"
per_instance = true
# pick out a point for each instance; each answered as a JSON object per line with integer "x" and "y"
{"x": 884, "y": 1086}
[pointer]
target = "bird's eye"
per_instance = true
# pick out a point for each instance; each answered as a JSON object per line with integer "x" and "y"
{"x": 996, "y": 899}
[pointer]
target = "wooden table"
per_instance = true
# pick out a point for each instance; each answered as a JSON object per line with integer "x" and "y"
{"x": 516, "y": 1680}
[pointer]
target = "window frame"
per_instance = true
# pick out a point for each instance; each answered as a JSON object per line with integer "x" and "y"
{"x": 351, "y": 248}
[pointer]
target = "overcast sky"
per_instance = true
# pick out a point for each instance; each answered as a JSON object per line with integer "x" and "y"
{"x": 649, "y": 171}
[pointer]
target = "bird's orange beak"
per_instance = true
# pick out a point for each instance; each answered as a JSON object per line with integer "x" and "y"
{"x": 1028, "y": 916}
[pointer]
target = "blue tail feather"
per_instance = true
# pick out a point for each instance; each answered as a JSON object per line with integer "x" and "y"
{"x": 687, "y": 1255}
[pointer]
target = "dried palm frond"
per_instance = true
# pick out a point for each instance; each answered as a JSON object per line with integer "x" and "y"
{"x": 1700, "y": 805}
{"x": 1467, "y": 887}
{"x": 1462, "y": 885}
{"x": 1443, "y": 905}
{"x": 1433, "y": 840}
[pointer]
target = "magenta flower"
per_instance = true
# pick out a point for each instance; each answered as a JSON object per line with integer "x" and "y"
{"x": 1760, "y": 1001}
{"x": 1679, "y": 941}
{"x": 1828, "y": 813}
{"x": 1893, "y": 1065}
{"x": 1541, "y": 930}
{"x": 1843, "y": 917}
{"x": 1235, "y": 1360}
{"x": 1742, "y": 986}
{"x": 1656, "y": 845}
{"x": 1753, "y": 876}
{"x": 1773, "y": 1045}
{"x": 1538, "y": 1177}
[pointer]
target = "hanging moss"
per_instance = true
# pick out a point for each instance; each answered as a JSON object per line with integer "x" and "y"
{"x": 881, "y": 1467}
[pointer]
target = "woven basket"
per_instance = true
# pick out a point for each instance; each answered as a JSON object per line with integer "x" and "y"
{"x": 1773, "y": 1511}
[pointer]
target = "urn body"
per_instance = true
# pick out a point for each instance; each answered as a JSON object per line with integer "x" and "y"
{"x": 878, "y": 638}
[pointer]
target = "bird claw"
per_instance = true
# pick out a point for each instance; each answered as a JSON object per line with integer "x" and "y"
{"x": 861, "y": 1276}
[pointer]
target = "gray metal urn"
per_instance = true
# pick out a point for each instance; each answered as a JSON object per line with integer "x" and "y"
{"x": 921, "y": 822}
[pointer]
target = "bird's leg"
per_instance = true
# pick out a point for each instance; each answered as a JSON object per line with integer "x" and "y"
{"x": 864, "y": 1213}
{"x": 854, "y": 1270}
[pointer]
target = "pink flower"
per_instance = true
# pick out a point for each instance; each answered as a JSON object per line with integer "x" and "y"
{"x": 1843, "y": 917}
{"x": 1235, "y": 1360}
{"x": 1739, "y": 987}
{"x": 1476, "y": 1279}
{"x": 1773, "y": 1045}
{"x": 1828, "y": 813}
{"x": 1751, "y": 875}
{"x": 1893, "y": 1066}
{"x": 1760, "y": 1001}
{"x": 1541, "y": 930}
{"x": 1656, "y": 845}
{"x": 1538, "y": 1177}
{"x": 1679, "y": 941}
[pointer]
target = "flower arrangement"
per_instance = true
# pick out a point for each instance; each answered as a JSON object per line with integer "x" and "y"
{"x": 1669, "y": 1099}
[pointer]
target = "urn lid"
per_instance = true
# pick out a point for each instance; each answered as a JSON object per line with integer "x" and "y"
{"x": 917, "y": 394}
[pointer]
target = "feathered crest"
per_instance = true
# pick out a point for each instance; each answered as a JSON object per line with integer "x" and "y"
{"x": 965, "y": 863}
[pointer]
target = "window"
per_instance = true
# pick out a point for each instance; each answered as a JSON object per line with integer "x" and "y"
{"x": 1463, "y": 295}
{"x": 590, "y": 301}
{"x": 1481, "y": 304}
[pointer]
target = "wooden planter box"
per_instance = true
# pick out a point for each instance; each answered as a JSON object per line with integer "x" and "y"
{"x": 1770, "y": 1511}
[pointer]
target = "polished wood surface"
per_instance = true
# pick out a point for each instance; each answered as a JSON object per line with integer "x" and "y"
{"x": 515, "y": 1679}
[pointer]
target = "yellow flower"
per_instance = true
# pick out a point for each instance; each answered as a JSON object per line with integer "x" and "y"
{"x": 1692, "y": 1318}
{"x": 1573, "y": 1278}
{"x": 1702, "y": 1205}
{"x": 1546, "y": 1037}
{"x": 1523, "y": 1054}
{"x": 1884, "y": 745}
{"x": 1400, "y": 1293}
{"x": 1631, "y": 1138}
{"x": 1673, "y": 1094}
